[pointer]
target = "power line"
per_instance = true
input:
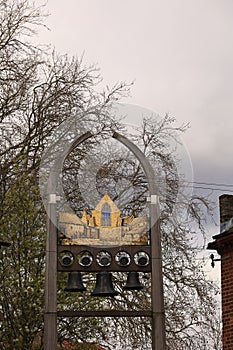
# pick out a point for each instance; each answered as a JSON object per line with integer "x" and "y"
{"x": 212, "y": 189}
{"x": 209, "y": 188}
{"x": 207, "y": 184}
{"x": 211, "y": 184}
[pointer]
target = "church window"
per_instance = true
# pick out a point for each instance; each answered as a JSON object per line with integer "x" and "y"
{"x": 106, "y": 215}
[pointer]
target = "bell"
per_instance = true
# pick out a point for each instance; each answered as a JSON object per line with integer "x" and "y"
{"x": 75, "y": 283}
{"x": 133, "y": 282}
{"x": 104, "y": 286}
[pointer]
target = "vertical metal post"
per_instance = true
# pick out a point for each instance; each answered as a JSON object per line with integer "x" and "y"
{"x": 157, "y": 300}
{"x": 50, "y": 316}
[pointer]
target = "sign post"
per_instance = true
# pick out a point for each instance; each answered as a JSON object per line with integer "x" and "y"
{"x": 151, "y": 254}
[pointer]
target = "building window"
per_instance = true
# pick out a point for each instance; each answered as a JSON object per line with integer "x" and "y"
{"x": 106, "y": 215}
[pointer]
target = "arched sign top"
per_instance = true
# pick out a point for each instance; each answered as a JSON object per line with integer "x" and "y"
{"x": 149, "y": 171}
{"x": 53, "y": 189}
{"x": 59, "y": 161}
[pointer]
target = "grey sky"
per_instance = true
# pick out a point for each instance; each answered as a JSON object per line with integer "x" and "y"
{"x": 180, "y": 55}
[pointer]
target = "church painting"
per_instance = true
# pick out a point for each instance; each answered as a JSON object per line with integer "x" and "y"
{"x": 105, "y": 215}
{"x": 104, "y": 226}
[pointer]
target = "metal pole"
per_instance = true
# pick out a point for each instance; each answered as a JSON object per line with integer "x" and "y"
{"x": 157, "y": 299}
{"x": 50, "y": 316}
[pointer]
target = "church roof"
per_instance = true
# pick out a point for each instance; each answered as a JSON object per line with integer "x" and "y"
{"x": 106, "y": 199}
{"x": 69, "y": 218}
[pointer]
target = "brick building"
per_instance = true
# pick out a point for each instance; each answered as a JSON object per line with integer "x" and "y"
{"x": 223, "y": 244}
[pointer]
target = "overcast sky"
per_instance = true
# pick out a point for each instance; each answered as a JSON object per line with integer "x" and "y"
{"x": 180, "y": 55}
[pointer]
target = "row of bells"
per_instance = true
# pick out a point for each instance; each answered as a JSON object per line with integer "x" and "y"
{"x": 104, "y": 286}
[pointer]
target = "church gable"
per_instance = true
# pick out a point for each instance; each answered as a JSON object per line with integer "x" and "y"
{"x": 106, "y": 200}
{"x": 106, "y": 214}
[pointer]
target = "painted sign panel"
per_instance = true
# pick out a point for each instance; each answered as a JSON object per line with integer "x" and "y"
{"x": 104, "y": 226}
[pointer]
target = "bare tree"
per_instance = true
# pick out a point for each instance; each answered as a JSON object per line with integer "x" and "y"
{"x": 39, "y": 92}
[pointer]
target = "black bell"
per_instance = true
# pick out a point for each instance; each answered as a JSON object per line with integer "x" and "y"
{"x": 75, "y": 283}
{"x": 133, "y": 282}
{"x": 104, "y": 286}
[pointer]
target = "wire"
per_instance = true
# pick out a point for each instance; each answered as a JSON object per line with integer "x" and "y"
{"x": 211, "y": 184}
{"x": 207, "y": 184}
{"x": 213, "y": 189}
{"x": 209, "y": 188}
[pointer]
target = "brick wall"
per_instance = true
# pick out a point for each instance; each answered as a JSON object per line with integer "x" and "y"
{"x": 223, "y": 244}
{"x": 227, "y": 295}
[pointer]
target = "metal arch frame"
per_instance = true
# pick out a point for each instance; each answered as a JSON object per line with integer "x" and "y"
{"x": 158, "y": 312}
{"x": 157, "y": 301}
{"x": 50, "y": 312}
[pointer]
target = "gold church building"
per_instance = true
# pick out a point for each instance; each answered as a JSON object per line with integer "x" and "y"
{"x": 104, "y": 226}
